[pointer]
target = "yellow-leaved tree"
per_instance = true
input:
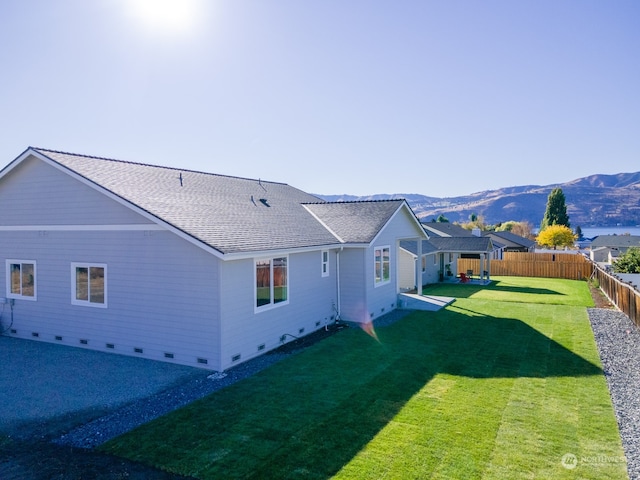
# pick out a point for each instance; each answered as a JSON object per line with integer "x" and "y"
{"x": 556, "y": 236}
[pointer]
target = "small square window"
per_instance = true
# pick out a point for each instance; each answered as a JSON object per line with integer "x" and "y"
{"x": 21, "y": 279}
{"x": 89, "y": 284}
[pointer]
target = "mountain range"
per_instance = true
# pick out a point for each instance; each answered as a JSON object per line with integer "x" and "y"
{"x": 596, "y": 200}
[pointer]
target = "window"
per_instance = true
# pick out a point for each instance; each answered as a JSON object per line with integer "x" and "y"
{"x": 21, "y": 279}
{"x": 89, "y": 284}
{"x": 272, "y": 282}
{"x": 382, "y": 265}
{"x": 325, "y": 263}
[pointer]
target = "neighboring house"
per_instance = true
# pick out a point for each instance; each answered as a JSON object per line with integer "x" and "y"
{"x": 605, "y": 249}
{"x": 446, "y": 229}
{"x": 509, "y": 242}
{"x": 183, "y": 266}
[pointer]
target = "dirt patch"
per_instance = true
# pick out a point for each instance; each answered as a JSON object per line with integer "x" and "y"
{"x": 599, "y": 298}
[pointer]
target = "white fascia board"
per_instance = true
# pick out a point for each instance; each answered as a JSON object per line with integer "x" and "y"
{"x": 120, "y": 200}
{"x": 415, "y": 219}
{"x": 279, "y": 252}
{"x": 411, "y": 253}
{"x": 15, "y": 162}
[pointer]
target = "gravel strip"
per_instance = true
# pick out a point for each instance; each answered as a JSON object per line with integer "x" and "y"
{"x": 618, "y": 343}
{"x": 124, "y": 419}
{"x": 617, "y": 339}
{"x": 127, "y": 418}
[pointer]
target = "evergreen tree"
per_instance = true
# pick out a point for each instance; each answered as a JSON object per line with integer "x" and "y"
{"x": 629, "y": 262}
{"x": 556, "y": 213}
{"x": 579, "y": 233}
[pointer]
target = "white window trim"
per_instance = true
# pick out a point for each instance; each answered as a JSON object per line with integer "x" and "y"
{"x": 19, "y": 296}
{"x": 324, "y": 271}
{"x": 87, "y": 303}
{"x": 382, "y": 280}
{"x": 271, "y": 305}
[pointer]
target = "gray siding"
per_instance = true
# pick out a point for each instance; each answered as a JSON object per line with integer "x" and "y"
{"x": 312, "y": 299}
{"x": 383, "y": 298}
{"x": 39, "y": 194}
{"x": 161, "y": 294}
{"x": 353, "y": 276}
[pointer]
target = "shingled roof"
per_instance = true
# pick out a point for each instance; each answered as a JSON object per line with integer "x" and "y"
{"x": 232, "y": 215}
{"x": 355, "y": 222}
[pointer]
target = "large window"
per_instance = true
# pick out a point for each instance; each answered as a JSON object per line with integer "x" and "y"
{"x": 272, "y": 282}
{"x": 382, "y": 259}
{"x": 89, "y": 284}
{"x": 21, "y": 279}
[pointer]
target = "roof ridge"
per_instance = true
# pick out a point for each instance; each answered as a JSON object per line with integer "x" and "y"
{"x": 184, "y": 170}
{"x": 356, "y": 201}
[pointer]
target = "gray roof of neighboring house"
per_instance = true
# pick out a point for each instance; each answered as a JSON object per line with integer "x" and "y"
{"x": 446, "y": 229}
{"x": 470, "y": 244}
{"x": 412, "y": 247}
{"x": 230, "y": 214}
{"x": 616, "y": 241}
{"x": 513, "y": 238}
{"x": 355, "y": 222}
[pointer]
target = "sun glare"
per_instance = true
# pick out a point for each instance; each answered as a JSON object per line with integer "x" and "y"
{"x": 166, "y": 15}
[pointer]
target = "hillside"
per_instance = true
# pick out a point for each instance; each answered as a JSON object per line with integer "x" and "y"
{"x": 596, "y": 200}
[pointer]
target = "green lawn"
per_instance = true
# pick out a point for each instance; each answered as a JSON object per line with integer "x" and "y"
{"x": 501, "y": 384}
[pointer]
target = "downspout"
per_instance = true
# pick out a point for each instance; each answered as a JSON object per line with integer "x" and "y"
{"x": 338, "y": 293}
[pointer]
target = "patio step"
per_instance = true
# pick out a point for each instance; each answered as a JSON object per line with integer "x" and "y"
{"x": 432, "y": 303}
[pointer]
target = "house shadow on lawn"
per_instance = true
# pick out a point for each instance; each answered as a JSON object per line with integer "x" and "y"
{"x": 468, "y": 290}
{"x": 455, "y": 344}
{"x": 333, "y": 399}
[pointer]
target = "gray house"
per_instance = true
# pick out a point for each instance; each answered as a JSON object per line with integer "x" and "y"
{"x": 607, "y": 248}
{"x": 183, "y": 266}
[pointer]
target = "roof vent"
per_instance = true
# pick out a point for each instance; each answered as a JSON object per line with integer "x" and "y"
{"x": 264, "y": 202}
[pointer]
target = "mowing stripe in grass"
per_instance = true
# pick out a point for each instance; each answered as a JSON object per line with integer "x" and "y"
{"x": 486, "y": 388}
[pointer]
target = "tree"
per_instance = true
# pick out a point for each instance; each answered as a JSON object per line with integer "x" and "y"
{"x": 556, "y": 213}
{"x": 442, "y": 219}
{"x": 522, "y": 229}
{"x": 629, "y": 262}
{"x": 579, "y": 233}
{"x": 556, "y": 236}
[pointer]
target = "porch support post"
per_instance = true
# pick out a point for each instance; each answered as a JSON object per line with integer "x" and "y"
{"x": 419, "y": 268}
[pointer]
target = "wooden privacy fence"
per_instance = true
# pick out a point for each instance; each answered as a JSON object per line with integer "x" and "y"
{"x": 563, "y": 265}
{"x": 622, "y": 294}
{"x": 526, "y": 264}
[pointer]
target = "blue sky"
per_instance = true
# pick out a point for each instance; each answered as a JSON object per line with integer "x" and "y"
{"x": 442, "y": 98}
